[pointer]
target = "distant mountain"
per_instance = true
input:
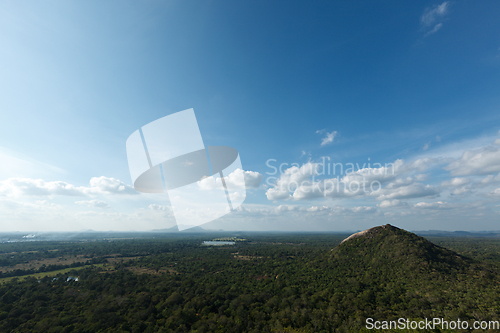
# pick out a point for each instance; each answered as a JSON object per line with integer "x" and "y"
{"x": 172, "y": 229}
{"x": 442, "y": 233}
{"x": 190, "y": 229}
{"x": 193, "y": 229}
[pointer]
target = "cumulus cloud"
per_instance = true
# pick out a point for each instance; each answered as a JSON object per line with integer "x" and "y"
{"x": 331, "y": 188}
{"x": 238, "y": 179}
{"x": 316, "y": 208}
{"x": 422, "y": 164}
{"x": 290, "y": 179}
{"x": 416, "y": 190}
{"x": 382, "y": 174}
{"x": 397, "y": 183}
{"x": 274, "y": 194}
{"x": 301, "y": 183}
{"x": 458, "y": 181}
{"x": 251, "y": 179}
{"x": 422, "y": 177}
{"x": 490, "y": 179}
{"x": 93, "y": 203}
{"x": 434, "y": 205}
{"x": 107, "y": 185}
{"x": 481, "y": 161}
{"x": 364, "y": 209}
{"x": 461, "y": 190}
{"x": 406, "y": 190}
{"x": 306, "y": 211}
{"x": 17, "y": 187}
{"x": 458, "y": 185}
{"x": 391, "y": 203}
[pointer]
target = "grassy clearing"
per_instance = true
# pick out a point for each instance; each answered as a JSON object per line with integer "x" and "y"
{"x": 43, "y": 274}
{"x": 37, "y": 263}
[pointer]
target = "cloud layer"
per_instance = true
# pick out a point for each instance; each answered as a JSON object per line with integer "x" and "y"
{"x": 18, "y": 187}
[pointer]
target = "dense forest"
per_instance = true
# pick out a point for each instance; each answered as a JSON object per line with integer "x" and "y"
{"x": 262, "y": 283}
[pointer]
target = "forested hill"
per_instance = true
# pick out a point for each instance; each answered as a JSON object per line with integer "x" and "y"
{"x": 390, "y": 249}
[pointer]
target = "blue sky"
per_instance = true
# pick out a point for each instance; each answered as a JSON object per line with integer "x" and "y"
{"x": 416, "y": 82}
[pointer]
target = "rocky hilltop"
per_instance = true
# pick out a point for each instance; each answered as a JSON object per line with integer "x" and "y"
{"x": 369, "y": 233}
{"x": 386, "y": 248}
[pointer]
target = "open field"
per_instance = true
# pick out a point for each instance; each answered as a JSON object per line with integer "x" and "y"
{"x": 37, "y": 263}
{"x": 44, "y": 274}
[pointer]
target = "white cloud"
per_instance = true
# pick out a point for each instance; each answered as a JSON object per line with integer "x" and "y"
{"x": 364, "y": 209}
{"x": 434, "y": 205}
{"x": 458, "y": 181}
{"x": 322, "y": 188}
{"x": 251, "y": 179}
{"x": 422, "y": 164}
{"x": 290, "y": 179}
{"x": 422, "y": 177}
{"x": 236, "y": 196}
{"x": 17, "y": 187}
{"x": 490, "y": 179}
{"x": 302, "y": 183}
{"x": 461, "y": 190}
{"x": 328, "y": 138}
{"x": 305, "y": 211}
{"x": 481, "y": 161}
{"x": 426, "y": 146}
{"x": 397, "y": 183}
{"x": 274, "y": 194}
{"x": 93, "y": 203}
{"x": 451, "y": 150}
{"x": 107, "y": 185}
{"x": 238, "y": 179}
{"x": 431, "y": 15}
{"x": 391, "y": 203}
{"x": 316, "y": 208}
{"x": 159, "y": 207}
{"x": 382, "y": 174}
{"x": 434, "y": 30}
{"x": 416, "y": 190}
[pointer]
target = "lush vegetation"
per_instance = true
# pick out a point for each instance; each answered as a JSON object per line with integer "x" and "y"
{"x": 267, "y": 283}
